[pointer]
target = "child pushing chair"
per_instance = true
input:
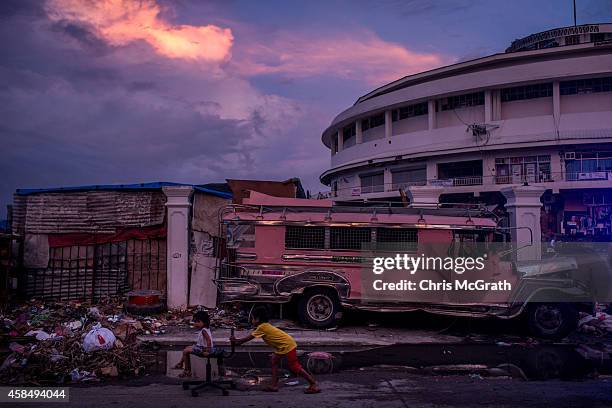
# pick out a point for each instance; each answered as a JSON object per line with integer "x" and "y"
{"x": 284, "y": 346}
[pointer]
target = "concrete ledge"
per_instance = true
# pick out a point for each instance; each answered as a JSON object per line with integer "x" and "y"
{"x": 341, "y": 339}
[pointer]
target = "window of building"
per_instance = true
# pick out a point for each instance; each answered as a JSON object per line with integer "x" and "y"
{"x": 470, "y": 168}
{"x": 519, "y": 93}
{"x": 530, "y": 169}
{"x": 334, "y": 188}
{"x": 572, "y": 39}
{"x": 409, "y": 111}
{"x": 598, "y": 37}
{"x": 397, "y": 239}
{"x": 372, "y": 183}
{"x": 460, "y": 101}
{"x": 586, "y": 86}
{"x": 547, "y": 44}
{"x": 373, "y": 121}
{"x": 349, "y": 135}
{"x": 588, "y": 165}
{"x": 402, "y": 178}
{"x": 304, "y": 237}
{"x": 349, "y": 237}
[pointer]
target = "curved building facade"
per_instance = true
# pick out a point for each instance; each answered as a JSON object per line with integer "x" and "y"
{"x": 538, "y": 114}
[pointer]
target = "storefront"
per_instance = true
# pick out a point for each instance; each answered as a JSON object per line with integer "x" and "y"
{"x": 588, "y": 215}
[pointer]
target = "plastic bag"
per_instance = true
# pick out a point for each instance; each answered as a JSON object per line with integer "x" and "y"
{"x": 98, "y": 338}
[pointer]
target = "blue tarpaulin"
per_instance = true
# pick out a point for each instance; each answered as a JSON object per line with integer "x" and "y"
{"x": 212, "y": 189}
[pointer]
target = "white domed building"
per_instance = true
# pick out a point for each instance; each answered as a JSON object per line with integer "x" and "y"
{"x": 538, "y": 114}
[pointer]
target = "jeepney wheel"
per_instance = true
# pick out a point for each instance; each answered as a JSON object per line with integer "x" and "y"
{"x": 319, "y": 308}
{"x": 552, "y": 320}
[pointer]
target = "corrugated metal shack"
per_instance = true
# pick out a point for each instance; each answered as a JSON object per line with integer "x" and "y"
{"x": 88, "y": 242}
{"x": 91, "y": 241}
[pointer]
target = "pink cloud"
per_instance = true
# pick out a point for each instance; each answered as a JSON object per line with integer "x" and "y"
{"x": 121, "y": 22}
{"x": 358, "y": 55}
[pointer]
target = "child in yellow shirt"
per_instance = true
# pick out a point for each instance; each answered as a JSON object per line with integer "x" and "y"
{"x": 284, "y": 346}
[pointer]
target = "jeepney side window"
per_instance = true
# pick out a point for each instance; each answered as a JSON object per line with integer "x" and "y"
{"x": 240, "y": 236}
{"x": 398, "y": 239}
{"x": 349, "y": 238}
{"x": 465, "y": 242}
{"x": 300, "y": 237}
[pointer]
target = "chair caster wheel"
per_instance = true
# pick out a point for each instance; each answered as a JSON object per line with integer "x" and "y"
{"x": 194, "y": 393}
{"x": 225, "y": 393}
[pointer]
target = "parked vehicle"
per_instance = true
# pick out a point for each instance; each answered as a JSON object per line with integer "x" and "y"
{"x": 311, "y": 252}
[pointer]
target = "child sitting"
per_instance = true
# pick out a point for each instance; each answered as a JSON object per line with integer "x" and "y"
{"x": 203, "y": 345}
{"x": 283, "y": 345}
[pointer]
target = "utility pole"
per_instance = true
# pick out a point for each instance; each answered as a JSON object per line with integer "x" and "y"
{"x": 574, "y": 13}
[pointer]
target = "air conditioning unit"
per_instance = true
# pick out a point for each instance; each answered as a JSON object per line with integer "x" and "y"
{"x": 570, "y": 155}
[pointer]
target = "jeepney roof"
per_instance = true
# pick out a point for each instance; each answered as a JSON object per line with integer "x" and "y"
{"x": 263, "y": 208}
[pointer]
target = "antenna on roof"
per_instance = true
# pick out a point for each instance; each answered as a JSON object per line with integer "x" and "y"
{"x": 574, "y": 13}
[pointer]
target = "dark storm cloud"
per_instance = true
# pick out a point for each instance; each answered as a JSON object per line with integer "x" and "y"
{"x": 75, "y": 110}
{"x": 84, "y": 36}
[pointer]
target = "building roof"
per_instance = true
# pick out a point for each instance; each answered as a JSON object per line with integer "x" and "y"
{"x": 216, "y": 189}
{"x": 291, "y": 188}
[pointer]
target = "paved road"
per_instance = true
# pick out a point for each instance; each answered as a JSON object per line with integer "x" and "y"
{"x": 370, "y": 388}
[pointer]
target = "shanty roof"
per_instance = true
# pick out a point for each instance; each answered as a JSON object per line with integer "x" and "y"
{"x": 216, "y": 189}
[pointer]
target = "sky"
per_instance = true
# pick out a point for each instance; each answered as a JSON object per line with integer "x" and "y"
{"x": 118, "y": 91}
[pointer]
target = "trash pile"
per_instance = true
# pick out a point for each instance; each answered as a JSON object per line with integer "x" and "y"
{"x": 61, "y": 342}
{"x": 598, "y": 325}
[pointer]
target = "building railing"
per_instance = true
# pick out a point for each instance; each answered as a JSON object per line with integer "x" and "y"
{"x": 405, "y": 185}
{"x": 479, "y": 180}
{"x": 524, "y": 178}
{"x": 467, "y": 181}
{"x": 589, "y": 176}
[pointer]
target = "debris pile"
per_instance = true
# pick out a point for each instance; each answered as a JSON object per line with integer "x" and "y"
{"x": 60, "y": 342}
{"x": 598, "y": 325}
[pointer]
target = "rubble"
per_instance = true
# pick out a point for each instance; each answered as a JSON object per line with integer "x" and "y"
{"x": 598, "y": 325}
{"x": 47, "y": 342}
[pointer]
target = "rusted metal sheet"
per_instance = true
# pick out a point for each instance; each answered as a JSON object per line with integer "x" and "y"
{"x": 94, "y": 271}
{"x": 206, "y": 212}
{"x": 89, "y": 211}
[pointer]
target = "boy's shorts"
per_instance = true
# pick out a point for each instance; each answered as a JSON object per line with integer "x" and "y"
{"x": 292, "y": 361}
{"x": 197, "y": 349}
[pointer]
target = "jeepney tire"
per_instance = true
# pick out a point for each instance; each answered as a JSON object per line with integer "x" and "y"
{"x": 319, "y": 308}
{"x": 552, "y": 320}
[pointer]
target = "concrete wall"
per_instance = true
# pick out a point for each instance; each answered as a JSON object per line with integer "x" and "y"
{"x": 374, "y": 133}
{"x": 596, "y": 102}
{"x": 414, "y": 124}
{"x": 458, "y": 117}
{"x": 526, "y": 108}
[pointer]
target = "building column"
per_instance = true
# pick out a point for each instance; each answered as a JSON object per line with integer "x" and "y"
{"x": 340, "y": 141}
{"x": 358, "y": 132}
{"x": 557, "y": 169}
{"x": 488, "y": 169}
{"x": 424, "y": 196}
{"x": 488, "y": 106}
{"x": 556, "y": 103}
{"x": 388, "y": 124}
{"x": 388, "y": 179}
{"x": 431, "y": 171}
{"x": 524, "y": 206}
{"x": 177, "y": 258}
{"x": 431, "y": 113}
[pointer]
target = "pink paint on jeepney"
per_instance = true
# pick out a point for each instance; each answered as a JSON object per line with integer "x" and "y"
{"x": 270, "y": 259}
